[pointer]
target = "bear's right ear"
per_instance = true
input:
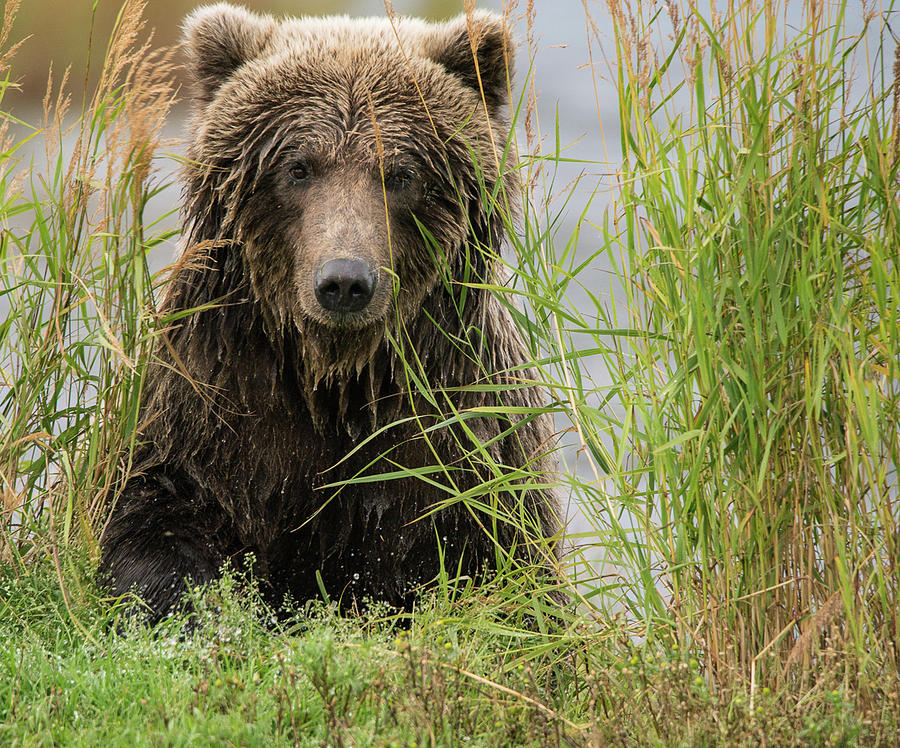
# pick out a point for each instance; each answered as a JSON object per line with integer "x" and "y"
{"x": 218, "y": 39}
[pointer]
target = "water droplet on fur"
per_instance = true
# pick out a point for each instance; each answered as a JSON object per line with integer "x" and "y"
{"x": 356, "y": 576}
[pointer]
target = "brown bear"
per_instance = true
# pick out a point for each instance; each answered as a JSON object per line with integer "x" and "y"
{"x": 336, "y": 390}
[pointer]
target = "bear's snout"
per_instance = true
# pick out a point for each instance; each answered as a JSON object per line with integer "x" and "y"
{"x": 344, "y": 285}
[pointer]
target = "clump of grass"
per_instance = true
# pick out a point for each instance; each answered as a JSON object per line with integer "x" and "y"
{"x": 746, "y": 451}
{"x": 76, "y": 283}
{"x": 452, "y": 675}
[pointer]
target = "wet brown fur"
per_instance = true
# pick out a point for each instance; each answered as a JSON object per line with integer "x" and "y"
{"x": 254, "y": 402}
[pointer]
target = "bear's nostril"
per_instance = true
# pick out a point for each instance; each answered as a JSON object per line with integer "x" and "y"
{"x": 344, "y": 285}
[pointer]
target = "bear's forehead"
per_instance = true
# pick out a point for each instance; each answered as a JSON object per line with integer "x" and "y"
{"x": 357, "y": 85}
{"x": 336, "y": 57}
{"x": 338, "y": 100}
{"x": 323, "y": 82}
{"x": 342, "y": 116}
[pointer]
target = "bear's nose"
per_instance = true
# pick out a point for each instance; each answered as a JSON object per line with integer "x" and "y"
{"x": 344, "y": 285}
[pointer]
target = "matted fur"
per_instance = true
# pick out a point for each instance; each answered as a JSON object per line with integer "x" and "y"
{"x": 314, "y": 139}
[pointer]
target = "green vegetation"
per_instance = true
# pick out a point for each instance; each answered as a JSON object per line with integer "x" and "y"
{"x": 762, "y": 388}
{"x": 740, "y": 581}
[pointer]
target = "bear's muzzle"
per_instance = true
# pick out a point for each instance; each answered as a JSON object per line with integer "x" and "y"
{"x": 344, "y": 285}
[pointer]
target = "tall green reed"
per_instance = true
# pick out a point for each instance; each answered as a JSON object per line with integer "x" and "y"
{"x": 746, "y": 453}
{"x": 78, "y": 291}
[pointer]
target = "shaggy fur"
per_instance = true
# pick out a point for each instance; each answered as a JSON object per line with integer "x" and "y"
{"x": 317, "y": 139}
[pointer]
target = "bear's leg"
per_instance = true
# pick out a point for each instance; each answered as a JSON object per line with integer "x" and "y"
{"x": 157, "y": 542}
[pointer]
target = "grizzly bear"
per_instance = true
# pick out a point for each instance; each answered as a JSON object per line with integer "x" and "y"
{"x": 336, "y": 390}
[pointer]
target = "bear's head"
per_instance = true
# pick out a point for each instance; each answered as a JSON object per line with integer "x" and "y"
{"x": 347, "y": 160}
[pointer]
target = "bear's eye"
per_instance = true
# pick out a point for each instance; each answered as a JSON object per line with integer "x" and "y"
{"x": 398, "y": 177}
{"x": 299, "y": 171}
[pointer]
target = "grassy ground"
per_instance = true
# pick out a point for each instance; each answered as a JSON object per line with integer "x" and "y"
{"x": 739, "y": 583}
{"x": 462, "y": 672}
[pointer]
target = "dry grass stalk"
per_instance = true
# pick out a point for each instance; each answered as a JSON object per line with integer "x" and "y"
{"x": 896, "y": 112}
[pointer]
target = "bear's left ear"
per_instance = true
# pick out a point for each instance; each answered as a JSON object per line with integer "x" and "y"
{"x": 218, "y": 39}
{"x": 482, "y": 36}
